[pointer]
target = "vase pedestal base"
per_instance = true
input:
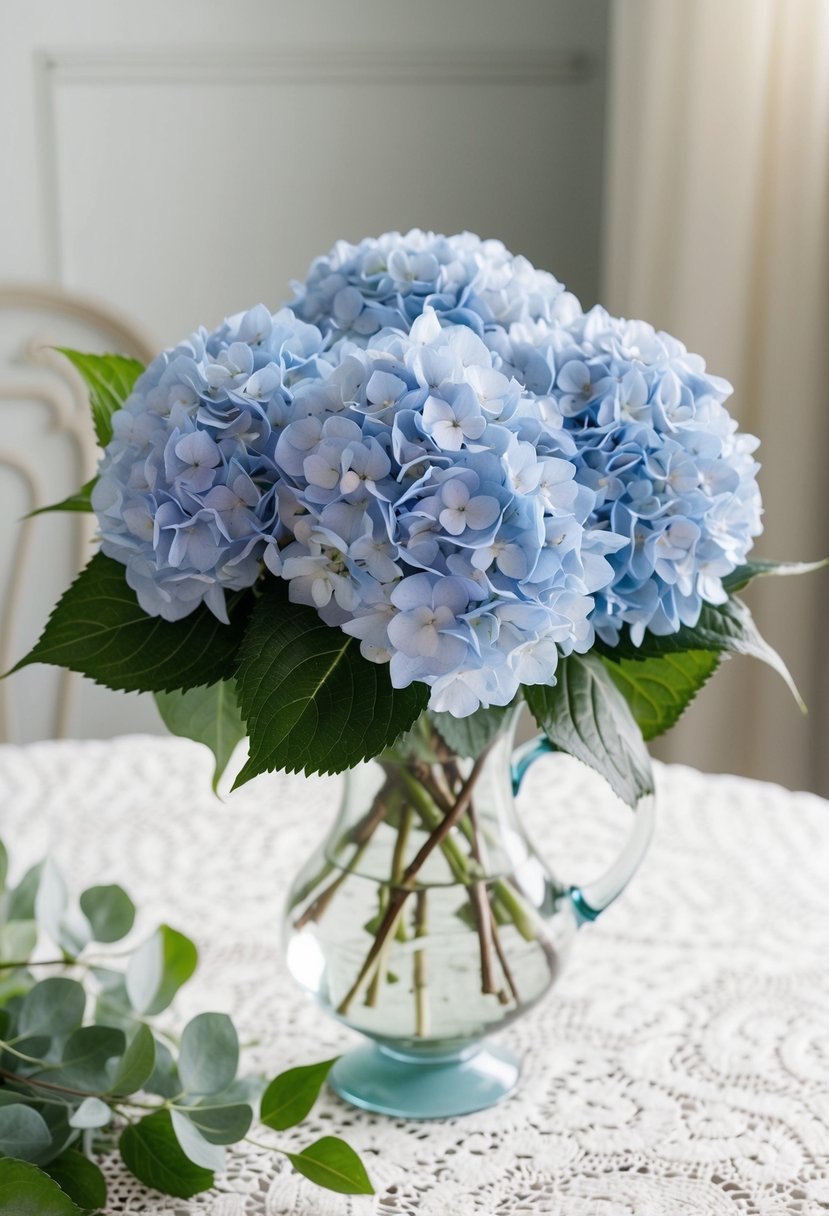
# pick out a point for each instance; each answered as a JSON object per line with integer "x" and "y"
{"x": 423, "y": 1087}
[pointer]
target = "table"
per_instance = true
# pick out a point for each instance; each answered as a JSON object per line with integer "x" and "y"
{"x": 680, "y": 1066}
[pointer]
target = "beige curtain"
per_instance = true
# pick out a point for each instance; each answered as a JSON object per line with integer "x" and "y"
{"x": 717, "y": 229}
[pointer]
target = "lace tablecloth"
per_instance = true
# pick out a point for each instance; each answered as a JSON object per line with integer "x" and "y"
{"x": 680, "y": 1066}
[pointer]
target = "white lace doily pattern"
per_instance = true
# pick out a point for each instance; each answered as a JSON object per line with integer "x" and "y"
{"x": 681, "y": 1065}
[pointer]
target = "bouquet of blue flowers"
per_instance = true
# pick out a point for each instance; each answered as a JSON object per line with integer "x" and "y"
{"x": 429, "y": 483}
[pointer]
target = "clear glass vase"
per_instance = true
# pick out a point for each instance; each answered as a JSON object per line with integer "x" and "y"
{"x": 427, "y": 920}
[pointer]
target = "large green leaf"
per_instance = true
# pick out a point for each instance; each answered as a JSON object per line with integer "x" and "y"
{"x": 55, "y": 1006}
{"x": 27, "y": 1191}
{"x": 23, "y": 1132}
{"x": 659, "y": 690}
{"x": 206, "y": 715}
{"x": 99, "y": 629}
{"x": 311, "y": 701}
{"x": 151, "y": 1151}
{"x": 209, "y": 1054}
{"x": 85, "y": 1057}
{"x": 158, "y": 968}
{"x": 585, "y": 715}
{"x": 80, "y": 1178}
{"x": 758, "y": 567}
{"x": 332, "y": 1163}
{"x": 221, "y": 1124}
{"x": 137, "y": 1063}
{"x": 203, "y": 1152}
{"x": 110, "y": 379}
{"x": 109, "y": 910}
{"x": 81, "y": 500}
{"x": 469, "y": 736}
{"x": 290, "y": 1096}
{"x": 721, "y": 627}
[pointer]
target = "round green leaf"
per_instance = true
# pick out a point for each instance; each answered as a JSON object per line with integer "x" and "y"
{"x": 23, "y": 1132}
{"x": 197, "y": 1148}
{"x": 80, "y": 1178}
{"x": 290, "y": 1096}
{"x": 209, "y": 1054}
{"x": 137, "y": 1064}
{"x": 18, "y": 939}
{"x": 332, "y": 1163}
{"x": 164, "y": 1079}
{"x": 151, "y": 1151}
{"x": 158, "y": 969}
{"x": 92, "y": 1112}
{"x": 27, "y": 1191}
{"x": 22, "y": 899}
{"x": 86, "y": 1056}
{"x": 110, "y": 912}
{"x": 221, "y": 1124}
{"x": 55, "y": 1006}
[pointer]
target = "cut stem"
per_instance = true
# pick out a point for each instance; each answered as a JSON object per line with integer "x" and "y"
{"x": 421, "y": 988}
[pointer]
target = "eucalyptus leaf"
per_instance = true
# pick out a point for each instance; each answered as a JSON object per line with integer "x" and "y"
{"x": 585, "y": 715}
{"x": 18, "y": 939}
{"x": 100, "y": 630}
{"x": 158, "y": 968}
{"x": 51, "y": 900}
{"x": 310, "y": 699}
{"x": 4, "y": 867}
{"x": 291, "y": 1095}
{"x": 109, "y": 380}
{"x": 23, "y": 1132}
{"x": 80, "y": 1179}
{"x": 92, "y": 1112}
{"x": 86, "y": 1055}
{"x": 207, "y": 715}
{"x": 208, "y": 1054}
{"x": 332, "y": 1163}
{"x": 197, "y": 1148}
{"x": 151, "y": 1151}
{"x": 221, "y": 1124}
{"x": 659, "y": 690}
{"x": 137, "y": 1063}
{"x": 55, "y": 1006}
{"x": 110, "y": 912}
{"x": 27, "y": 1191}
{"x": 21, "y": 905}
{"x": 164, "y": 1079}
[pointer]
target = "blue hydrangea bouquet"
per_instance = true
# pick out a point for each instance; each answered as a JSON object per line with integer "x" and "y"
{"x": 431, "y": 482}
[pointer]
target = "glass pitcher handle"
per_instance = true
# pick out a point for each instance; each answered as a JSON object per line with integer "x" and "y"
{"x": 592, "y": 899}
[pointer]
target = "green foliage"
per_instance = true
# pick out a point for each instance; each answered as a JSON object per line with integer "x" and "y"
{"x": 99, "y": 629}
{"x": 311, "y": 701}
{"x": 77, "y": 1048}
{"x": 289, "y": 1098}
{"x": 743, "y": 575}
{"x": 109, "y": 379}
{"x": 585, "y": 715}
{"x": 659, "y": 690}
{"x": 470, "y": 736}
{"x": 207, "y": 715}
{"x": 28, "y": 1191}
{"x": 332, "y": 1163}
{"x": 81, "y": 500}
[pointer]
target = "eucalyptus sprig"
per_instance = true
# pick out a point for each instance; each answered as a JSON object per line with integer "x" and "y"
{"x": 85, "y": 1068}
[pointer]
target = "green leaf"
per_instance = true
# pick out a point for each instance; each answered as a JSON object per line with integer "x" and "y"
{"x": 221, "y": 1124}
{"x": 22, "y": 899}
{"x": 209, "y": 1054}
{"x": 152, "y": 1153}
{"x": 92, "y": 1112}
{"x": 659, "y": 691}
{"x": 18, "y": 939}
{"x": 55, "y": 1006}
{"x": 585, "y": 715}
{"x": 137, "y": 1063}
{"x": 721, "y": 627}
{"x": 311, "y": 701}
{"x": 110, "y": 379}
{"x": 80, "y": 1179}
{"x": 99, "y": 630}
{"x": 81, "y": 500}
{"x": 332, "y": 1163}
{"x": 27, "y": 1191}
{"x": 158, "y": 969}
{"x": 470, "y": 736}
{"x": 206, "y": 715}
{"x": 164, "y": 1079}
{"x": 69, "y": 932}
{"x": 758, "y": 567}
{"x": 85, "y": 1057}
{"x": 4, "y": 866}
{"x": 23, "y": 1132}
{"x": 290, "y": 1096}
{"x": 203, "y": 1152}
{"x": 110, "y": 912}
